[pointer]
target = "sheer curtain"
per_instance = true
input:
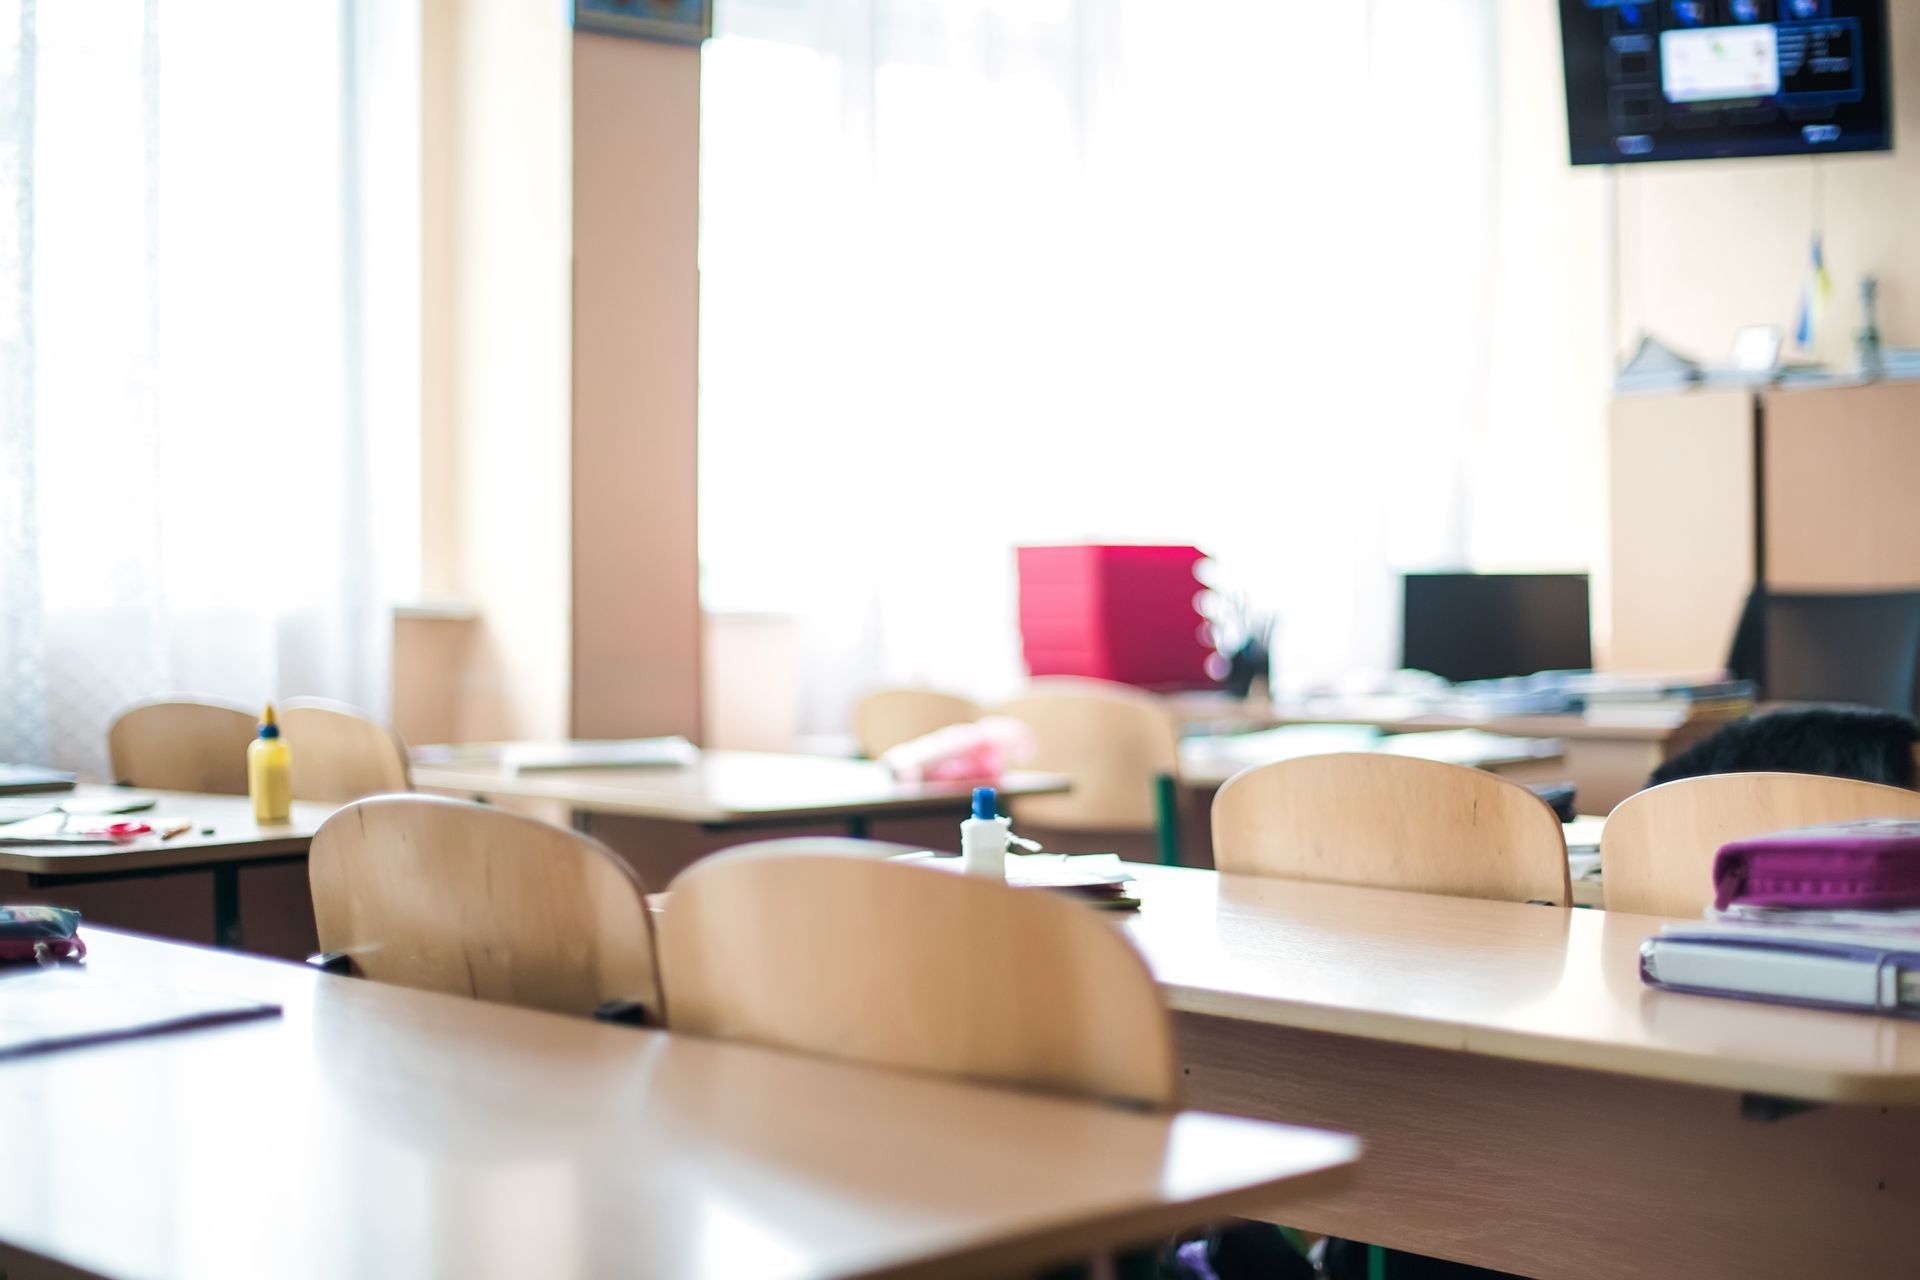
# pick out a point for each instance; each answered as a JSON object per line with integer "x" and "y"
{"x": 984, "y": 272}
{"x": 204, "y": 445}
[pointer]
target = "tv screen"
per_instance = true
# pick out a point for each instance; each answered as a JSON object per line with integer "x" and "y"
{"x": 1699, "y": 79}
{"x": 1485, "y": 626}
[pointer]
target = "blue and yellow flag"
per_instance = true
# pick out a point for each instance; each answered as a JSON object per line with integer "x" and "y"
{"x": 1813, "y": 299}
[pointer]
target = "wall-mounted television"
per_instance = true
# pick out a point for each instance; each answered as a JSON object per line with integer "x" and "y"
{"x": 1703, "y": 79}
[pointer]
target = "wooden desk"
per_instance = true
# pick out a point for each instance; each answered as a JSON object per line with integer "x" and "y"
{"x": 1607, "y": 763}
{"x": 728, "y": 789}
{"x": 1207, "y": 761}
{"x": 1184, "y": 828}
{"x": 1526, "y": 1102}
{"x": 379, "y": 1131}
{"x": 235, "y": 840}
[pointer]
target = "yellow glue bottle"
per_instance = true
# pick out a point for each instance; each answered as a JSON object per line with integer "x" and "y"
{"x": 269, "y": 772}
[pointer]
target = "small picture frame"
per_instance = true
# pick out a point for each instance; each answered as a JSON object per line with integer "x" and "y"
{"x": 676, "y": 21}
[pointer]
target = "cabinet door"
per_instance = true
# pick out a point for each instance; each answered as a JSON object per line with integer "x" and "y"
{"x": 1842, "y": 487}
{"x": 1681, "y": 528}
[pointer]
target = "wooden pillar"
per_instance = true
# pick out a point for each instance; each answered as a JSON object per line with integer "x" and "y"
{"x": 636, "y": 193}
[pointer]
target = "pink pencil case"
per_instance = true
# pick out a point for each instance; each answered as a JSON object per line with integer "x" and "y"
{"x": 1873, "y": 863}
{"x": 36, "y": 933}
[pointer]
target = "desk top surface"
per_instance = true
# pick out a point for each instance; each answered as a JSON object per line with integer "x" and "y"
{"x": 1396, "y": 714}
{"x": 234, "y": 835}
{"x": 377, "y": 1130}
{"x": 722, "y": 787}
{"x": 1211, "y": 759}
{"x": 1539, "y": 984}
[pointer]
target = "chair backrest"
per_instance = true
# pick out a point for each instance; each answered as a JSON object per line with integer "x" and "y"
{"x": 1853, "y": 647}
{"x": 1656, "y": 851}
{"x": 888, "y": 717}
{"x": 1392, "y": 822}
{"x": 447, "y": 895}
{"x": 182, "y": 744}
{"x": 900, "y": 965}
{"x": 1112, "y": 740}
{"x": 338, "y": 753}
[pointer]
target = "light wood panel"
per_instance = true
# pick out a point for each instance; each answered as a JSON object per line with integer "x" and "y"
{"x": 339, "y": 754}
{"x": 885, "y": 718}
{"x": 1839, "y": 487}
{"x": 1680, "y": 528}
{"x": 182, "y": 744}
{"x": 1657, "y": 849}
{"x": 1111, "y": 739}
{"x": 461, "y": 898}
{"x": 722, "y": 787}
{"x": 1492, "y": 979}
{"x": 1573, "y": 1175}
{"x": 898, "y": 965}
{"x": 1392, "y": 822}
{"x": 222, "y": 831}
{"x": 375, "y": 1130}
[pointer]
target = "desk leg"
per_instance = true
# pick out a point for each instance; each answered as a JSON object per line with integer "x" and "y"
{"x": 583, "y": 822}
{"x": 226, "y": 907}
{"x": 1166, "y": 818}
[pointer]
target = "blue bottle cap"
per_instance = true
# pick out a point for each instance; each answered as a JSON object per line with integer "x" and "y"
{"x": 983, "y": 803}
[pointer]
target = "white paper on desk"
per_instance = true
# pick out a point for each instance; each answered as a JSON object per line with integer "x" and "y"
{"x": 627, "y": 753}
{"x": 42, "y": 1010}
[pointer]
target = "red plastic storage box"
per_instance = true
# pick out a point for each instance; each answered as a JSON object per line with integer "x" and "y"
{"x": 1114, "y": 613}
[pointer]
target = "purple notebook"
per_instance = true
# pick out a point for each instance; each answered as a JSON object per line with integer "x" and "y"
{"x": 1871, "y": 864}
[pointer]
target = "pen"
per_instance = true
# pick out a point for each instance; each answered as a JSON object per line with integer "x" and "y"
{"x": 174, "y": 829}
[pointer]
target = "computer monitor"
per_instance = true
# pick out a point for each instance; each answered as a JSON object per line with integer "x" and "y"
{"x": 1485, "y": 626}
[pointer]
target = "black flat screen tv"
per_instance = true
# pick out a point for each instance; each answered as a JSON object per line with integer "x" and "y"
{"x": 1705, "y": 79}
{"x": 1487, "y": 626}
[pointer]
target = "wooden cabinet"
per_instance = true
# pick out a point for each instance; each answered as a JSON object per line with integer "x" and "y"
{"x": 1711, "y": 491}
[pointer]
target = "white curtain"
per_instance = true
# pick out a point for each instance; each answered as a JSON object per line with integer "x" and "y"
{"x": 985, "y": 272}
{"x": 204, "y": 368}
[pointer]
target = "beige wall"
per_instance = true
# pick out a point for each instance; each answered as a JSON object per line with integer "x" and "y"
{"x": 496, "y": 316}
{"x": 1708, "y": 247}
{"x": 636, "y": 297}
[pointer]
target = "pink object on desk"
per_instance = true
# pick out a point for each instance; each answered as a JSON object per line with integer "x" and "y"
{"x": 976, "y": 752}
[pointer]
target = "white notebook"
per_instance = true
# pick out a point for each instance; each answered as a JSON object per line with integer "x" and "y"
{"x": 1842, "y": 968}
{"x": 623, "y": 753}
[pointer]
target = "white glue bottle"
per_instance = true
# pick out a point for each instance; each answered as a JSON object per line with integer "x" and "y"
{"x": 983, "y": 838}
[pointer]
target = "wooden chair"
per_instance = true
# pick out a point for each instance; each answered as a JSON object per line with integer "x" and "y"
{"x": 1116, "y": 742}
{"x": 1392, "y": 822}
{"x": 182, "y": 744}
{"x": 888, "y": 717}
{"x": 452, "y": 896}
{"x": 340, "y": 754}
{"x": 1656, "y": 851}
{"x": 907, "y": 966}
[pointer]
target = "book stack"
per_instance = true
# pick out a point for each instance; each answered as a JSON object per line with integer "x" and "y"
{"x": 1629, "y": 700}
{"x": 1827, "y": 917}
